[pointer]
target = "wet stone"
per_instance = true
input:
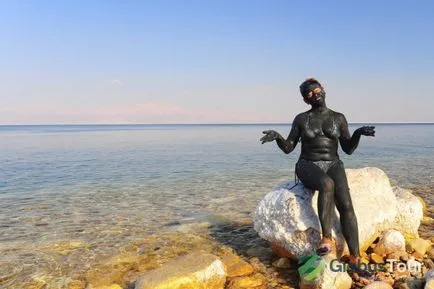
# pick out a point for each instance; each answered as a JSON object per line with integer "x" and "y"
{"x": 195, "y": 270}
{"x": 255, "y": 281}
{"x": 235, "y": 266}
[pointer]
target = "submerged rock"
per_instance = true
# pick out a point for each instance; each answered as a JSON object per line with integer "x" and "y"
{"x": 235, "y": 266}
{"x": 195, "y": 270}
{"x": 288, "y": 217}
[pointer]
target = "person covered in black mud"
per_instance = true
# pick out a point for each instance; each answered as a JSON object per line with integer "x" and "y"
{"x": 319, "y": 167}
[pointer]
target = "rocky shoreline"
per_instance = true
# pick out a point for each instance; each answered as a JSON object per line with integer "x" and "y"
{"x": 249, "y": 259}
{"x": 229, "y": 254}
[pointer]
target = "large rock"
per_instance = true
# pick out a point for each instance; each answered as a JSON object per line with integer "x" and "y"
{"x": 193, "y": 271}
{"x": 289, "y": 219}
{"x": 409, "y": 212}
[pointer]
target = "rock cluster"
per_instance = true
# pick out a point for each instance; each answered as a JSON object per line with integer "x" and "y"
{"x": 388, "y": 219}
{"x": 289, "y": 218}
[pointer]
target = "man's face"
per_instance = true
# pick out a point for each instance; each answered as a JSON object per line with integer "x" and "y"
{"x": 316, "y": 95}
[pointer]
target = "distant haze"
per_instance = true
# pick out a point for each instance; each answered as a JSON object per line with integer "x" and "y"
{"x": 213, "y": 61}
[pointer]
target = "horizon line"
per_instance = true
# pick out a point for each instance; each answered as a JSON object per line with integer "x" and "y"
{"x": 211, "y": 123}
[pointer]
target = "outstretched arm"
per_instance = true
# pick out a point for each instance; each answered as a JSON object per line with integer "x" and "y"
{"x": 349, "y": 143}
{"x": 286, "y": 145}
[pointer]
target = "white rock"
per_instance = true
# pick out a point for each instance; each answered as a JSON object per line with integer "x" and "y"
{"x": 195, "y": 270}
{"x": 410, "y": 212}
{"x": 374, "y": 202}
{"x": 289, "y": 217}
{"x": 390, "y": 241}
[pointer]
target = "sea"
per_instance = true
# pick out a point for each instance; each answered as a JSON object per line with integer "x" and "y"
{"x": 107, "y": 185}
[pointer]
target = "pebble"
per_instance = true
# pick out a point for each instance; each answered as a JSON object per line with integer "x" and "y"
{"x": 253, "y": 281}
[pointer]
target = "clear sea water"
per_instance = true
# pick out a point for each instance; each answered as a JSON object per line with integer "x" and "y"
{"x": 105, "y": 185}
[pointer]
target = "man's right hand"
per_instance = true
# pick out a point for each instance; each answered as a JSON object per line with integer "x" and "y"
{"x": 270, "y": 135}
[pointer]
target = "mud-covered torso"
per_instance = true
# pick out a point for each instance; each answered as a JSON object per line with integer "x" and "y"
{"x": 320, "y": 132}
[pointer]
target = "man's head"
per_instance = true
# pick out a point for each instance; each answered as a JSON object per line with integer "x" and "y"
{"x": 312, "y": 92}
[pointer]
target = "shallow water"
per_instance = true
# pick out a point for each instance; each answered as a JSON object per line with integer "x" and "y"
{"x": 94, "y": 189}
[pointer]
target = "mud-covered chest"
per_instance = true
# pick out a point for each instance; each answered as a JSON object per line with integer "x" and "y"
{"x": 321, "y": 125}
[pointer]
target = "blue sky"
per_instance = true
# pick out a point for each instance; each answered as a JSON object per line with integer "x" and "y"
{"x": 213, "y": 61}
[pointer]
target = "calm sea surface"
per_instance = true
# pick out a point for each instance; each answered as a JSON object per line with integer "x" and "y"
{"x": 108, "y": 185}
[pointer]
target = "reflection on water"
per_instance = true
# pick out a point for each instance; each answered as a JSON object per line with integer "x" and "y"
{"x": 72, "y": 196}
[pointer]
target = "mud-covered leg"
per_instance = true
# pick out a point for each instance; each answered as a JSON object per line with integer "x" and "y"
{"x": 315, "y": 178}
